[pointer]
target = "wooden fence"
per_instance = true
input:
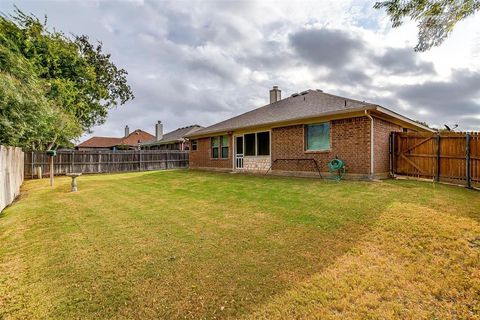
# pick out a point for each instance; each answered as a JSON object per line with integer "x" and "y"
{"x": 104, "y": 161}
{"x": 11, "y": 174}
{"x": 449, "y": 157}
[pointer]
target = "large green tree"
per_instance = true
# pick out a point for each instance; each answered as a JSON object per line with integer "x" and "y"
{"x": 435, "y": 18}
{"x": 53, "y": 87}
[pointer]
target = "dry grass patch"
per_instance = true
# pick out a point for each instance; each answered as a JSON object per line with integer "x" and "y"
{"x": 416, "y": 263}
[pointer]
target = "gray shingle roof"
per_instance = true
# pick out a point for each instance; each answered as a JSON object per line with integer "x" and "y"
{"x": 175, "y": 135}
{"x": 310, "y": 103}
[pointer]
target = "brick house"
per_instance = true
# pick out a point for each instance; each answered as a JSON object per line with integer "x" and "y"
{"x": 309, "y": 125}
{"x": 129, "y": 141}
{"x": 174, "y": 140}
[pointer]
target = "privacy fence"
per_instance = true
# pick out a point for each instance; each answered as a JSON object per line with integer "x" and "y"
{"x": 448, "y": 157}
{"x": 11, "y": 174}
{"x": 103, "y": 161}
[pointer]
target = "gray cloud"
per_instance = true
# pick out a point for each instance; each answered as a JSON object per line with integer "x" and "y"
{"x": 180, "y": 30}
{"x": 403, "y": 60}
{"x": 336, "y": 49}
{"x": 325, "y": 47}
{"x": 453, "y": 101}
{"x": 348, "y": 77}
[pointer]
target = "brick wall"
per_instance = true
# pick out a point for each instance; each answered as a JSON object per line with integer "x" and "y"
{"x": 381, "y": 157}
{"x": 201, "y": 158}
{"x": 350, "y": 140}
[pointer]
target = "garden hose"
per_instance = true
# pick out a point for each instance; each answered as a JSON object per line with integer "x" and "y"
{"x": 337, "y": 168}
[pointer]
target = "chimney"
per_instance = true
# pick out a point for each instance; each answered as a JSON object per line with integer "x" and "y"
{"x": 159, "y": 131}
{"x": 275, "y": 94}
{"x": 127, "y": 131}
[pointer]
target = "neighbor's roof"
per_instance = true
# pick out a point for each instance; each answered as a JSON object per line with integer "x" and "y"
{"x": 307, "y": 104}
{"x": 133, "y": 139}
{"x": 175, "y": 135}
{"x": 136, "y": 137}
{"x": 100, "y": 142}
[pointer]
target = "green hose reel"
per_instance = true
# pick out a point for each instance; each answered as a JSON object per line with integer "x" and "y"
{"x": 337, "y": 169}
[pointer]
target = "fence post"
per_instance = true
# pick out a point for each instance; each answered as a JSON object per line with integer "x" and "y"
{"x": 437, "y": 177}
{"x": 31, "y": 173}
{"x": 140, "y": 160}
{"x": 469, "y": 177}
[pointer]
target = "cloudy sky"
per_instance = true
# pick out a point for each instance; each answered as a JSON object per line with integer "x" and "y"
{"x": 199, "y": 62}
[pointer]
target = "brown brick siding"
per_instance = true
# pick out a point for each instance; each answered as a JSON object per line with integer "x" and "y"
{"x": 381, "y": 157}
{"x": 350, "y": 140}
{"x": 201, "y": 158}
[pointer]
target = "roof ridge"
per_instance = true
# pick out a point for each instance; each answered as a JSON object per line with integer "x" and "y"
{"x": 186, "y": 127}
{"x": 136, "y": 130}
{"x": 345, "y": 98}
{"x": 103, "y": 137}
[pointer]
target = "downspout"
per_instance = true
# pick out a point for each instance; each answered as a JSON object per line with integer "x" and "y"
{"x": 371, "y": 145}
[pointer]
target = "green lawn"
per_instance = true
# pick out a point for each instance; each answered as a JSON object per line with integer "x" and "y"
{"x": 186, "y": 244}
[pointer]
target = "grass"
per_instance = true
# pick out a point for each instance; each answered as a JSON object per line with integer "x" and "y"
{"x": 186, "y": 244}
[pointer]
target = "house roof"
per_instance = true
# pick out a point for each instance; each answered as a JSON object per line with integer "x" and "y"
{"x": 136, "y": 137}
{"x": 307, "y": 104}
{"x": 100, "y": 142}
{"x": 174, "y": 136}
{"x": 133, "y": 139}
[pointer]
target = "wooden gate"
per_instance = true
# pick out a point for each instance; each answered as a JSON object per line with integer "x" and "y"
{"x": 449, "y": 157}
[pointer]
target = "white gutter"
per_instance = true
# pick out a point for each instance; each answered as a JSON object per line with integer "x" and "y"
{"x": 371, "y": 144}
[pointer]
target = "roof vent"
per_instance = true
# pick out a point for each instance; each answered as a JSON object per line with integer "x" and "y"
{"x": 304, "y": 92}
{"x": 319, "y": 90}
{"x": 295, "y": 95}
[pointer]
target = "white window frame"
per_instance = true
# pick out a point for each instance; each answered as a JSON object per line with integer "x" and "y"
{"x": 234, "y": 142}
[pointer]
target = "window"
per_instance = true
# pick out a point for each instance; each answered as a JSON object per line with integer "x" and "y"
{"x": 263, "y": 143}
{"x": 224, "y": 141}
{"x": 194, "y": 145}
{"x": 214, "y": 147}
{"x": 257, "y": 144}
{"x": 250, "y": 144}
{"x": 317, "y": 137}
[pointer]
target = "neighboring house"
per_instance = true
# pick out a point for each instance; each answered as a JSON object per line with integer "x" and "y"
{"x": 129, "y": 141}
{"x": 310, "y": 125}
{"x": 174, "y": 140}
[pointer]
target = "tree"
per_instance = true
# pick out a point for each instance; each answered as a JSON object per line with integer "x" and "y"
{"x": 53, "y": 87}
{"x": 436, "y": 18}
